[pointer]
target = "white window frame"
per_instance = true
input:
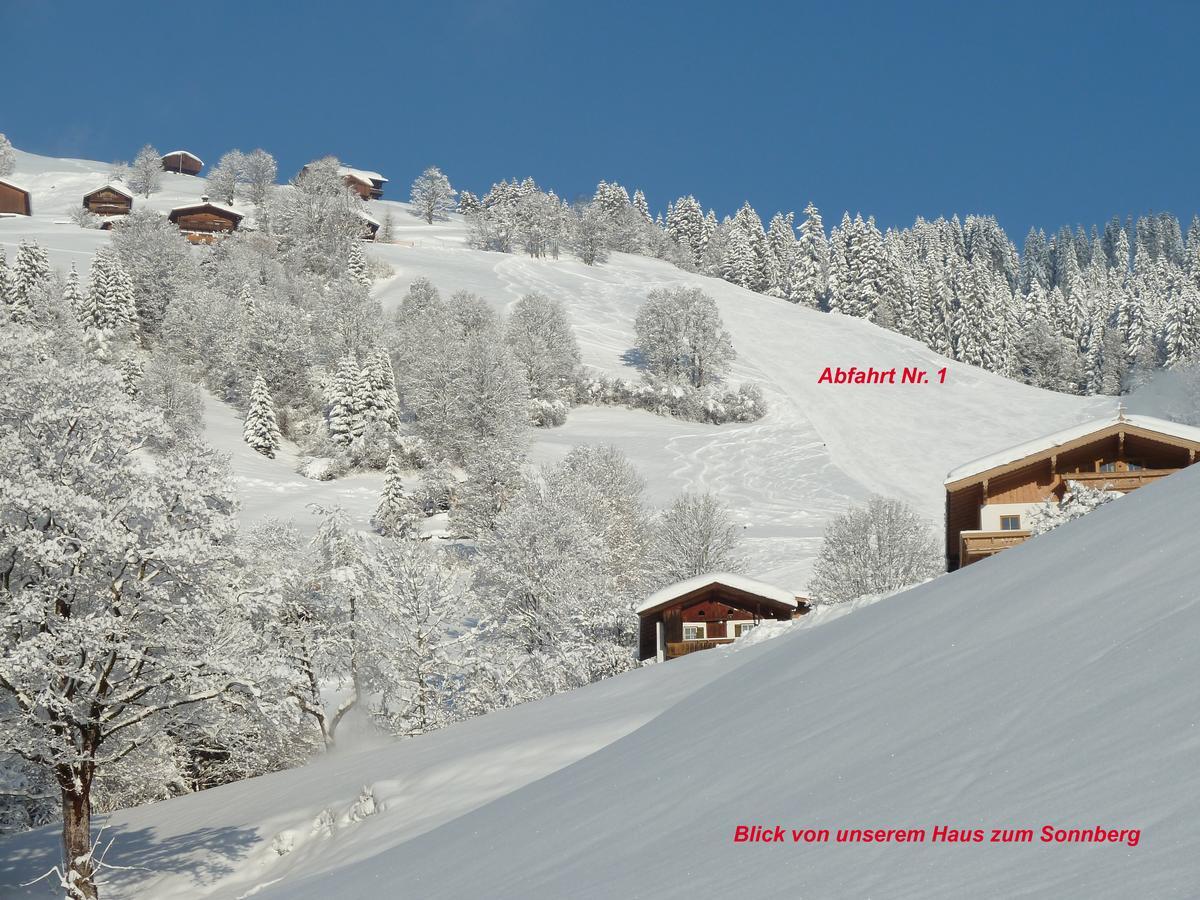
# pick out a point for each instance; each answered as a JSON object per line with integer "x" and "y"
{"x": 1016, "y": 516}
{"x": 703, "y": 626}
{"x": 731, "y": 626}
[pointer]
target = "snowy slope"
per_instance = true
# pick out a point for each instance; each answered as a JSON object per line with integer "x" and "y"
{"x": 1053, "y": 684}
{"x": 821, "y": 448}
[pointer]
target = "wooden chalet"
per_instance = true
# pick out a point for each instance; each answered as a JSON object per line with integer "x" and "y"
{"x": 203, "y": 222}
{"x": 182, "y": 162}
{"x": 14, "y": 199}
{"x": 368, "y": 185}
{"x": 370, "y": 226}
{"x": 109, "y": 200}
{"x": 707, "y": 611}
{"x": 988, "y": 501}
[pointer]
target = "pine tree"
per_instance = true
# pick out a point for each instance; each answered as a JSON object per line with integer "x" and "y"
{"x": 109, "y": 307}
{"x": 30, "y": 274}
{"x": 131, "y": 375}
{"x": 344, "y": 416}
{"x": 356, "y": 267}
{"x": 7, "y": 286}
{"x": 396, "y": 515}
{"x": 261, "y": 428}
{"x": 643, "y": 209}
{"x": 377, "y": 389}
{"x": 72, "y": 296}
{"x": 8, "y": 160}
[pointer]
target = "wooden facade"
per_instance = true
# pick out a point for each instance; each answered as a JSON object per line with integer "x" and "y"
{"x": 987, "y": 511}
{"x": 14, "y": 199}
{"x": 204, "y": 222}
{"x": 707, "y": 616}
{"x": 182, "y": 162}
{"x": 362, "y": 187}
{"x": 108, "y": 201}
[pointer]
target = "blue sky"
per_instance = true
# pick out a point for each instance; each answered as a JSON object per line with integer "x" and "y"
{"x": 1039, "y": 113}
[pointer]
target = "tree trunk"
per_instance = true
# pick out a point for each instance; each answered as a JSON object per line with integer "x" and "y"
{"x": 78, "y": 866}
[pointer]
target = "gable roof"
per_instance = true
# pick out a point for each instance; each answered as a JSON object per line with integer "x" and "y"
{"x": 205, "y": 204}
{"x": 1076, "y": 435}
{"x": 738, "y": 583}
{"x": 14, "y": 186}
{"x": 364, "y": 175}
{"x": 109, "y": 187}
{"x": 183, "y": 153}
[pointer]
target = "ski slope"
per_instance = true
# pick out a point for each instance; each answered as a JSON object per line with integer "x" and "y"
{"x": 821, "y": 448}
{"x": 1053, "y": 684}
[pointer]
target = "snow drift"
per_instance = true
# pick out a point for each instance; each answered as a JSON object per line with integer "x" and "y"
{"x": 1053, "y": 684}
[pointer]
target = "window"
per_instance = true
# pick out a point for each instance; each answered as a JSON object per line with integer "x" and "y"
{"x": 693, "y": 631}
{"x": 737, "y": 629}
{"x": 1010, "y": 523}
{"x": 1108, "y": 467}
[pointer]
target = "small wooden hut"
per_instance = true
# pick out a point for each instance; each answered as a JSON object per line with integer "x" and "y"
{"x": 203, "y": 222}
{"x": 14, "y": 199}
{"x": 707, "y": 611}
{"x": 109, "y": 200}
{"x": 182, "y": 162}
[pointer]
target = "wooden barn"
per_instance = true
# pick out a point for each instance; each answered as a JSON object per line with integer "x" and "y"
{"x": 370, "y": 226}
{"x": 14, "y": 199}
{"x": 989, "y": 501}
{"x": 707, "y": 611}
{"x": 182, "y": 162}
{"x": 203, "y": 222}
{"x": 368, "y": 185}
{"x": 109, "y": 200}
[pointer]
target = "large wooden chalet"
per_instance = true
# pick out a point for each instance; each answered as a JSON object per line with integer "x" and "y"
{"x": 203, "y": 222}
{"x": 988, "y": 501}
{"x": 14, "y": 199}
{"x": 368, "y": 185}
{"x": 109, "y": 200}
{"x": 707, "y": 611}
{"x": 182, "y": 162}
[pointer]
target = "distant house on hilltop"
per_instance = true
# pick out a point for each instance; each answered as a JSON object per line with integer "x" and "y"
{"x": 109, "y": 200}
{"x": 709, "y": 610}
{"x": 14, "y": 199}
{"x": 368, "y": 185}
{"x": 182, "y": 162}
{"x": 989, "y": 501}
{"x": 202, "y": 222}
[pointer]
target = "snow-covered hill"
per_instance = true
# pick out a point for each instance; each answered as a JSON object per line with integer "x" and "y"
{"x": 821, "y": 448}
{"x": 1053, "y": 685}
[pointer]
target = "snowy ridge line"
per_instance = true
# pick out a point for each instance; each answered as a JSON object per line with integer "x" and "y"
{"x": 728, "y": 579}
{"x": 1057, "y": 438}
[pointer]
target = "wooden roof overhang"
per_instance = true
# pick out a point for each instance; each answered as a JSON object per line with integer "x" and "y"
{"x": 1116, "y": 429}
{"x": 724, "y": 593}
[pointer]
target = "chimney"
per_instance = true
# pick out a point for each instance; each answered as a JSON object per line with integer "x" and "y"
{"x": 204, "y": 198}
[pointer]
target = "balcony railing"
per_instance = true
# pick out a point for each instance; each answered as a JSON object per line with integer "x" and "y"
{"x": 1117, "y": 481}
{"x": 977, "y": 544}
{"x": 682, "y": 648}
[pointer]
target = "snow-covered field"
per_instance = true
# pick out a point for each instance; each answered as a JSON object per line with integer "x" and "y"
{"x": 821, "y": 448}
{"x": 1051, "y": 685}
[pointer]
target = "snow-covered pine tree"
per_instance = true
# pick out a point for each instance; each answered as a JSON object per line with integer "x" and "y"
{"x": 72, "y": 295}
{"x": 7, "y": 285}
{"x": 812, "y": 261}
{"x": 432, "y": 196}
{"x": 145, "y": 175}
{"x": 108, "y": 310}
{"x": 397, "y": 515}
{"x": 378, "y": 400}
{"x": 30, "y": 274}
{"x": 131, "y": 375}
{"x": 356, "y": 266}
{"x": 261, "y": 427}
{"x": 8, "y": 159}
{"x": 781, "y": 241}
{"x": 344, "y": 412}
{"x": 642, "y": 208}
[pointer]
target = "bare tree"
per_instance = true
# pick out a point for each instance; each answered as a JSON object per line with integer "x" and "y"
{"x": 695, "y": 535}
{"x": 145, "y": 175}
{"x": 432, "y": 195}
{"x": 881, "y": 547}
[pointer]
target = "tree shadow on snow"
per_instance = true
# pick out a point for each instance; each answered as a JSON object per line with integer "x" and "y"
{"x": 633, "y": 357}
{"x": 207, "y": 854}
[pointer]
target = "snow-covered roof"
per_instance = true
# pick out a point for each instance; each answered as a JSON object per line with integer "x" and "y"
{"x": 13, "y": 184}
{"x": 183, "y": 153}
{"x": 217, "y": 206}
{"x": 361, "y": 174}
{"x": 371, "y": 219}
{"x": 1048, "y": 442}
{"x": 728, "y": 579}
{"x": 116, "y": 189}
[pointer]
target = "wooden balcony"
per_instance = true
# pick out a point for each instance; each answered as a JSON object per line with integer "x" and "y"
{"x": 975, "y": 545}
{"x": 683, "y": 648}
{"x": 1117, "y": 481}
